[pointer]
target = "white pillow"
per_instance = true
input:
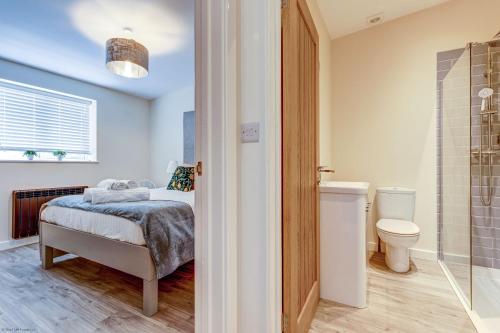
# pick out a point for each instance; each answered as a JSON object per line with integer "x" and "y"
{"x": 147, "y": 183}
{"x": 106, "y": 183}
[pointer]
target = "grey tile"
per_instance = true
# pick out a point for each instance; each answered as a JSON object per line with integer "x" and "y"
{"x": 482, "y": 242}
{"x": 479, "y": 60}
{"x": 441, "y": 75}
{"x": 496, "y": 243}
{"x": 485, "y": 212}
{"x": 475, "y": 180}
{"x": 484, "y": 262}
{"x": 485, "y": 221}
{"x": 444, "y": 65}
{"x": 487, "y": 232}
{"x": 480, "y": 49}
{"x": 477, "y": 79}
{"x": 478, "y": 69}
{"x": 482, "y": 252}
{"x": 451, "y": 54}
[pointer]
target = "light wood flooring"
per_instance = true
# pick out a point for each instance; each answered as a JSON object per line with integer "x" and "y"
{"x": 420, "y": 301}
{"x": 77, "y": 295}
{"x": 80, "y": 296}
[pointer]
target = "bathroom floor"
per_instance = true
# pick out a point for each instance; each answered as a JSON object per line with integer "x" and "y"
{"x": 421, "y": 300}
{"x": 486, "y": 296}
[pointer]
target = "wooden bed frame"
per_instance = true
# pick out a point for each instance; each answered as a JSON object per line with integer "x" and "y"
{"x": 133, "y": 259}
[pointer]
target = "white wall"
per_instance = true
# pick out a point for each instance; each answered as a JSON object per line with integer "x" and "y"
{"x": 166, "y": 131}
{"x": 384, "y": 99}
{"x": 252, "y": 226}
{"x": 122, "y": 141}
{"x": 325, "y": 108}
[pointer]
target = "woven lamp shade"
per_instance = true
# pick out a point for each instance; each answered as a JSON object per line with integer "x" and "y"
{"x": 127, "y": 58}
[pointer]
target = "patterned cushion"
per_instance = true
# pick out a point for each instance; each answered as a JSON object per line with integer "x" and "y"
{"x": 182, "y": 180}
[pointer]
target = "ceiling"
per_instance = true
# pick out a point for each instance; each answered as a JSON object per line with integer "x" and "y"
{"x": 345, "y": 17}
{"x": 68, "y": 37}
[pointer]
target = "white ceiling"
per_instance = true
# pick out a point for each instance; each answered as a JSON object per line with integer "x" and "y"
{"x": 68, "y": 37}
{"x": 343, "y": 17}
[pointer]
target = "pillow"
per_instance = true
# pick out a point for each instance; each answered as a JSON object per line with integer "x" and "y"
{"x": 182, "y": 180}
{"x": 147, "y": 183}
{"x": 106, "y": 183}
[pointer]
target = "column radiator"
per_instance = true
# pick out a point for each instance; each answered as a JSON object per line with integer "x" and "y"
{"x": 26, "y": 207}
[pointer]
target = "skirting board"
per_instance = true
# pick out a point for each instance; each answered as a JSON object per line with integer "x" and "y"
{"x": 456, "y": 258}
{"x": 423, "y": 254}
{"x": 12, "y": 243}
{"x": 414, "y": 253}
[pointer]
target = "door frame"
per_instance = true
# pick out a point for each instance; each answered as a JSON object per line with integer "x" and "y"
{"x": 274, "y": 158}
{"x": 217, "y": 135}
{"x": 216, "y": 200}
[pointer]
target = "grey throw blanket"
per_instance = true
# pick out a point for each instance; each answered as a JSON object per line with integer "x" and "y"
{"x": 168, "y": 227}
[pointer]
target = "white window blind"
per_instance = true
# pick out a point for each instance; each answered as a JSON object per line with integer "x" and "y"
{"x": 33, "y": 118}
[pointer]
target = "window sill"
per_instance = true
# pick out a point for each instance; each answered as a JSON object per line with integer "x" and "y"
{"x": 49, "y": 161}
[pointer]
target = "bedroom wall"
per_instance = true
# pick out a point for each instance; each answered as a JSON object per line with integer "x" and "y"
{"x": 122, "y": 142}
{"x": 166, "y": 131}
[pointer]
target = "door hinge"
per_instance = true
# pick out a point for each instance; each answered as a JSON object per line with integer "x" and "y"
{"x": 199, "y": 168}
{"x": 284, "y": 4}
{"x": 284, "y": 322}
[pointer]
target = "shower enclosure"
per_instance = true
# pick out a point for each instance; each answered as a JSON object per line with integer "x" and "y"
{"x": 468, "y": 125}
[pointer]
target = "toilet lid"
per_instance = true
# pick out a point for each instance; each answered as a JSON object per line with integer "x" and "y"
{"x": 400, "y": 227}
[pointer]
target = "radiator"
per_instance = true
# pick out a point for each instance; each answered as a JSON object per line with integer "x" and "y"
{"x": 26, "y": 207}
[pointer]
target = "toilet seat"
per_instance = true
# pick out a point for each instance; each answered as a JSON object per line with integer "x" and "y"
{"x": 398, "y": 227}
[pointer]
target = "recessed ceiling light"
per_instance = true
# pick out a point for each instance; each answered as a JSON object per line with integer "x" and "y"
{"x": 375, "y": 19}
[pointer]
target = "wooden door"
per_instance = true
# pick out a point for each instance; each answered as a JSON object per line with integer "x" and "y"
{"x": 300, "y": 225}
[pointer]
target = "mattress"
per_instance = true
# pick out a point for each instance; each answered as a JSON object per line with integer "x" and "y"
{"x": 110, "y": 226}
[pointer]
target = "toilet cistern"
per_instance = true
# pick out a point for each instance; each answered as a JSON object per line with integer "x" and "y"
{"x": 395, "y": 227}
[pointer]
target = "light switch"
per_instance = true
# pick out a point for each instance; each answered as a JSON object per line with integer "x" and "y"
{"x": 250, "y": 132}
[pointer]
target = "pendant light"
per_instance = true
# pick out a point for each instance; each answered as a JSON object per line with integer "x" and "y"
{"x": 126, "y": 57}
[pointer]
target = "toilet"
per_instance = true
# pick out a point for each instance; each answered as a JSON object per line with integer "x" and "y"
{"x": 395, "y": 227}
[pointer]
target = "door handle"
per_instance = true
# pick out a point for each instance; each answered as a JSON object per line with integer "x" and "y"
{"x": 323, "y": 169}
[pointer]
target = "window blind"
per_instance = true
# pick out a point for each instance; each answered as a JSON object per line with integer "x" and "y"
{"x": 37, "y": 119}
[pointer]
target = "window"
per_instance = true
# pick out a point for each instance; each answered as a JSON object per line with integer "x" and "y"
{"x": 45, "y": 121}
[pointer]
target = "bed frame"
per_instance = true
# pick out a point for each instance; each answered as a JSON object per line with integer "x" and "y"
{"x": 133, "y": 259}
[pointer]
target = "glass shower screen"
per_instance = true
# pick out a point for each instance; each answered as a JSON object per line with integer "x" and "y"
{"x": 454, "y": 125}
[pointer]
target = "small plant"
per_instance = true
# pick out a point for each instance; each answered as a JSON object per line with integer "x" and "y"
{"x": 30, "y": 154}
{"x": 60, "y": 154}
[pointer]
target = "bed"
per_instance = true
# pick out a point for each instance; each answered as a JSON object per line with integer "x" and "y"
{"x": 121, "y": 241}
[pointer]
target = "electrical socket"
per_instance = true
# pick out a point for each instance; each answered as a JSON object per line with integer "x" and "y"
{"x": 250, "y": 132}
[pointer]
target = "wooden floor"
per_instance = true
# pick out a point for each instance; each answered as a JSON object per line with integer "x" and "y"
{"x": 420, "y": 301}
{"x": 80, "y": 296}
{"x": 77, "y": 295}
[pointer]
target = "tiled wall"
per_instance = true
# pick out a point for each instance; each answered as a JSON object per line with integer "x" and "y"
{"x": 485, "y": 220}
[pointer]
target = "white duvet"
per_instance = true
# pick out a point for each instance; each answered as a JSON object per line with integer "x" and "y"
{"x": 110, "y": 226}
